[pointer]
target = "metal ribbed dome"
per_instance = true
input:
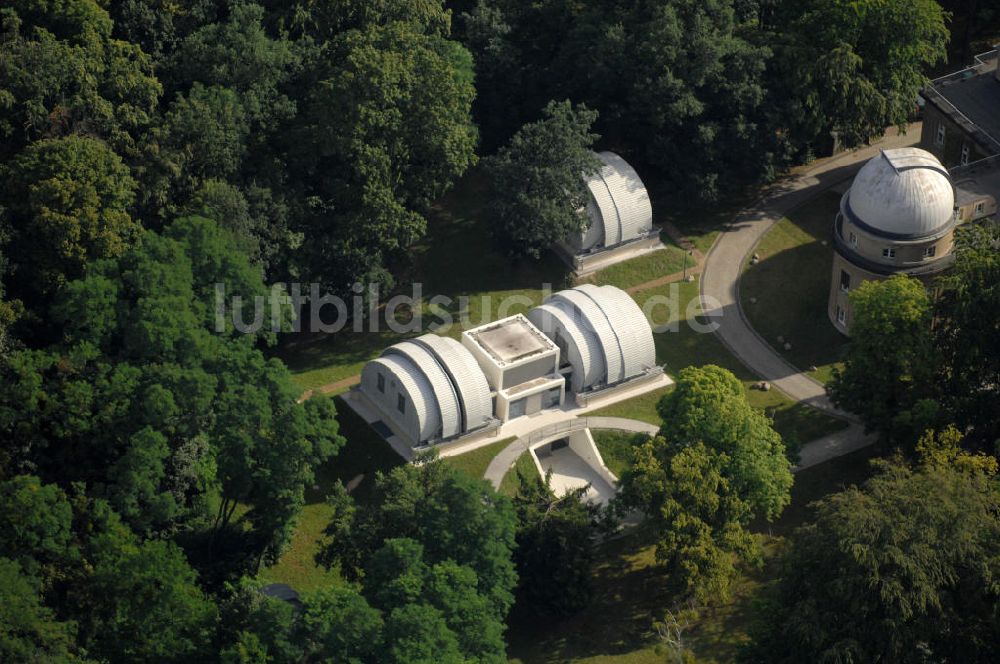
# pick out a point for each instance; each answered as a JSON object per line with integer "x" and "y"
{"x": 904, "y": 193}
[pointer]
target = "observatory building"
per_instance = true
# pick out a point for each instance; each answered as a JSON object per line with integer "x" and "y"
{"x": 619, "y": 216}
{"x": 580, "y": 342}
{"x": 899, "y": 217}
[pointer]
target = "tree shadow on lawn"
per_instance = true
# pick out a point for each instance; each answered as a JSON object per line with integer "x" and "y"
{"x": 630, "y": 591}
{"x": 791, "y": 285}
{"x": 364, "y": 453}
{"x": 458, "y": 256}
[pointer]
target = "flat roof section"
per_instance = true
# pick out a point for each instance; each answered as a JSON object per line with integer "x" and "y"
{"x": 977, "y": 97}
{"x": 511, "y": 340}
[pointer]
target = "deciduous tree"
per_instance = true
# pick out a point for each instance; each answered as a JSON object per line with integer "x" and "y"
{"x": 539, "y": 191}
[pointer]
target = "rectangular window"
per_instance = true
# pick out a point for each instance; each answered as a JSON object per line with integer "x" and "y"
{"x": 930, "y": 251}
{"x": 940, "y": 133}
{"x": 853, "y": 239}
{"x": 980, "y": 207}
{"x": 845, "y": 281}
{"x": 380, "y": 379}
{"x": 551, "y": 398}
{"x": 965, "y": 154}
{"x": 889, "y": 252}
{"x": 841, "y": 315}
{"x": 400, "y": 403}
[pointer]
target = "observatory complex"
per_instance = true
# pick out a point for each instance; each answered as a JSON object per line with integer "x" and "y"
{"x": 581, "y": 342}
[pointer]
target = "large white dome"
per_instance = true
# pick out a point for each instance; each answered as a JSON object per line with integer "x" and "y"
{"x": 903, "y": 193}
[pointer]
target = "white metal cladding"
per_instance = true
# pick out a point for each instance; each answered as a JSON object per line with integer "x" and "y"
{"x": 592, "y": 318}
{"x": 635, "y": 214}
{"x": 421, "y": 418}
{"x": 466, "y": 376}
{"x": 445, "y": 394}
{"x": 634, "y": 332}
{"x": 606, "y": 206}
{"x": 614, "y": 323}
{"x": 585, "y": 354}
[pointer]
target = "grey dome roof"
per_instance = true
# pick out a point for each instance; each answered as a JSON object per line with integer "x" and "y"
{"x": 904, "y": 193}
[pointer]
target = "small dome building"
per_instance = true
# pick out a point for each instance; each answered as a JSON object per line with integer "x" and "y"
{"x": 618, "y": 211}
{"x": 431, "y": 388}
{"x": 601, "y": 333}
{"x": 898, "y": 217}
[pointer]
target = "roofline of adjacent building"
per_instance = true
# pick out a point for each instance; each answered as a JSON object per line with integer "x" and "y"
{"x": 932, "y": 95}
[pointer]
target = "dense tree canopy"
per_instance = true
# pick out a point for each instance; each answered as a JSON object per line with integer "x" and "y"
{"x": 434, "y": 552}
{"x": 853, "y": 67}
{"x": 967, "y": 335}
{"x": 68, "y": 205}
{"x": 903, "y": 567}
{"x": 154, "y": 409}
{"x": 716, "y": 465}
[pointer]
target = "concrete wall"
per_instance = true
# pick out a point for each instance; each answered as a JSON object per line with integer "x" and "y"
{"x": 522, "y": 373}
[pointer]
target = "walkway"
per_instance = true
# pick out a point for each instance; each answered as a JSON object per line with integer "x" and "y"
{"x": 732, "y": 250}
{"x": 505, "y": 460}
{"x": 720, "y": 289}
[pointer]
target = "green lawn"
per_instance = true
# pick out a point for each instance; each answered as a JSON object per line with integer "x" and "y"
{"x": 364, "y": 453}
{"x": 474, "y": 463}
{"x": 686, "y": 346}
{"x": 791, "y": 285}
{"x": 646, "y": 267}
{"x": 631, "y": 593}
{"x": 616, "y": 448}
{"x": 509, "y": 484}
{"x": 642, "y": 407}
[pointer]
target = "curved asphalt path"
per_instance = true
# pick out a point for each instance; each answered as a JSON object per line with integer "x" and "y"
{"x": 505, "y": 460}
{"x": 720, "y": 290}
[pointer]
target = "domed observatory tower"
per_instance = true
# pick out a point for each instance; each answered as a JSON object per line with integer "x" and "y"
{"x": 898, "y": 217}
{"x": 619, "y": 218}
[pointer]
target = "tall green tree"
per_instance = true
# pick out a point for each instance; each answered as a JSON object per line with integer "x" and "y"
{"x": 451, "y": 516}
{"x": 538, "y": 183}
{"x": 709, "y": 405}
{"x": 68, "y": 202}
{"x": 967, "y": 335}
{"x": 64, "y": 73}
{"x": 699, "y": 517}
{"x": 855, "y": 67}
{"x": 555, "y": 546}
{"x": 172, "y": 419}
{"x": 902, "y": 569}
{"x": 716, "y": 465}
{"x": 384, "y": 129}
{"x": 29, "y": 630}
{"x": 890, "y": 365}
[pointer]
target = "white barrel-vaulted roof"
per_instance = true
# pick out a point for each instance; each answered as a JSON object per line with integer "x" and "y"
{"x": 605, "y": 335}
{"x": 619, "y": 209}
{"x": 442, "y": 390}
{"x": 434, "y": 374}
{"x": 902, "y": 194}
{"x": 467, "y": 378}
